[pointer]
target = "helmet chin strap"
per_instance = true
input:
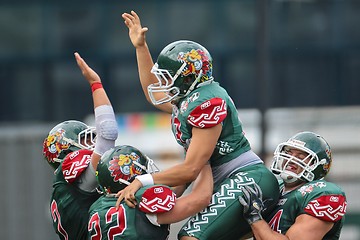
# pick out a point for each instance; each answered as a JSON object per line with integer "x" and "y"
{"x": 192, "y": 87}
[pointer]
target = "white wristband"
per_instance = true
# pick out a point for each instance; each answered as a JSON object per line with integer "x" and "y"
{"x": 145, "y": 179}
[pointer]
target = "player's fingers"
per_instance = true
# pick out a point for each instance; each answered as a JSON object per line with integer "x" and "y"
{"x": 118, "y": 201}
{"x": 130, "y": 202}
{"x": 128, "y": 17}
{"x": 259, "y": 191}
{"x": 78, "y": 58}
{"x": 119, "y": 193}
{"x": 246, "y": 194}
{"x": 130, "y": 199}
{"x": 242, "y": 201}
{"x": 120, "y": 198}
{"x": 134, "y": 15}
{"x": 125, "y": 16}
{"x": 130, "y": 196}
{"x": 81, "y": 62}
{"x": 251, "y": 190}
{"x": 127, "y": 20}
{"x": 144, "y": 30}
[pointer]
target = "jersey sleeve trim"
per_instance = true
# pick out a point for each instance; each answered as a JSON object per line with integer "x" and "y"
{"x": 157, "y": 199}
{"x": 330, "y": 208}
{"x": 75, "y": 164}
{"x": 208, "y": 114}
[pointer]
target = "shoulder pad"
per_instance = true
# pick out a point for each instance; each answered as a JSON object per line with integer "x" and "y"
{"x": 75, "y": 163}
{"x": 208, "y": 114}
{"x": 157, "y": 199}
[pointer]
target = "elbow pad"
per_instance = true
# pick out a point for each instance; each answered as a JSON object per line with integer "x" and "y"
{"x": 106, "y": 129}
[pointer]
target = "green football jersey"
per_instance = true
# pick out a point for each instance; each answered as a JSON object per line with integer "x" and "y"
{"x": 69, "y": 207}
{"x": 206, "y": 107}
{"x": 320, "y": 199}
{"x": 107, "y": 223}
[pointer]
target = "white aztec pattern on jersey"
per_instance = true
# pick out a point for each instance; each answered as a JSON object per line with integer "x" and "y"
{"x": 76, "y": 166}
{"x": 326, "y": 210}
{"x": 209, "y": 118}
{"x": 156, "y": 204}
{"x": 218, "y": 201}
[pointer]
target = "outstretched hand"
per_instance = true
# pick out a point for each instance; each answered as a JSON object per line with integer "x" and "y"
{"x": 136, "y": 31}
{"x": 252, "y": 202}
{"x": 128, "y": 194}
{"x": 90, "y": 75}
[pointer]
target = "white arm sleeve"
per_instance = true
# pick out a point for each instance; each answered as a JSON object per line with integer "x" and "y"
{"x": 106, "y": 129}
{"x": 87, "y": 180}
{"x": 153, "y": 219}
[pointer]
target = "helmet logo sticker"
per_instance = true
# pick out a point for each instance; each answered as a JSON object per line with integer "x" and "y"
{"x": 53, "y": 145}
{"x": 327, "y": 166}
{"x": 297, "y": 142}
{"x": 122, "y": 166}
{"x": 196, "y": 62}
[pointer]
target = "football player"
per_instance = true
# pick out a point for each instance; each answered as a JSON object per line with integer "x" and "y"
{"x": 117, "y": 168}
{"x": 71, "y": 149}
{"x": 309, "y": 207}
{"x": 205, "y": 122}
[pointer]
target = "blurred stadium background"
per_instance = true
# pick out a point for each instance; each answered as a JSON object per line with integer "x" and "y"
{"x": 290, "y": 65}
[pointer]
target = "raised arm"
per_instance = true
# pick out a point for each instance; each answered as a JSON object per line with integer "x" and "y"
{"x": 137, "y": 35}
{"x": 106, "y": 126}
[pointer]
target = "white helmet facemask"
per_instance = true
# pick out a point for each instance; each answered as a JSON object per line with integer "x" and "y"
{"x": 164, "y": 85}
{"x": 87, "y": 138}
{"x": 284, "y": 162}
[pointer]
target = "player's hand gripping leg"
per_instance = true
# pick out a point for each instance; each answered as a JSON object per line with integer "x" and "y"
{"x": 252, "y": 202}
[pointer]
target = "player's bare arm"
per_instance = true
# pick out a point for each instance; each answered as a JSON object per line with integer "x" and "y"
{"x": 200, "y": 149}
{"x": 308, "y": 227}
{"x": 100, "y": 98}
{"x": 137, "y": 35}
{"x": 305, "y": 227}
{"x": 192, "y": 203}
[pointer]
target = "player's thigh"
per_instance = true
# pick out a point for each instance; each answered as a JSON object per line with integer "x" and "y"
{"x": 223, "y": 218}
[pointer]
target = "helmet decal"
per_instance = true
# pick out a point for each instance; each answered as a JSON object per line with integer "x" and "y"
{"x": 122, "y": 166}
{"x": 181, "y": 67}
{"x": 66, "y": 137}
{"x": 297, "y": 142}
{"x": 196, "y": 62}
{"x": 327, "y": 165}
{"x": 328, "y": 152}
{"x": 53, "y": 145}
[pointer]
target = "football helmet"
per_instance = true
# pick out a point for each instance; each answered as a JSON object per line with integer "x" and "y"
{"x": 181, "y": 67}
{"x": 66, "y": 137}
{"x": 119, "y": 166}
{"x": 315, "y": 163}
